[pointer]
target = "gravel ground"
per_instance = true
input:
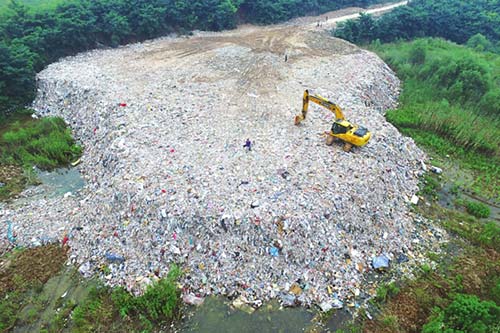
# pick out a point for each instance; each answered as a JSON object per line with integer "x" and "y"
{"x": 168, "y": 180}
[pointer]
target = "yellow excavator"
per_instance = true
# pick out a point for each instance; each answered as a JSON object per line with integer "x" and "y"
{"x": 350, "y": 134}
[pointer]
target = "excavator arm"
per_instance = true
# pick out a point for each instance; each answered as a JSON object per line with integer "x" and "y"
{"x": 320, "y": 101}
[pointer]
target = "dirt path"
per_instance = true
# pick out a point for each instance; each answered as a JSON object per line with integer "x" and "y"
{"x": 331, "y": 22}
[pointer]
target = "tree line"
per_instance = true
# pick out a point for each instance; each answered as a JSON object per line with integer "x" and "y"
{"x": 29, "y": 40}
{"x": 454, "y": 20}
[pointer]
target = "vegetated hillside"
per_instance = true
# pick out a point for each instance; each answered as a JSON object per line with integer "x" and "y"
{"x": 455, "y": 20}
{"x": 29, "y": 40}
{"x": 450, "y": 103}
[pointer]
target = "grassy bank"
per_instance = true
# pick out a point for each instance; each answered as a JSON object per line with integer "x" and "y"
{"x": 26, "y": 142}
{"x": 450, "y": 105}
{"x": 38, "y": 294}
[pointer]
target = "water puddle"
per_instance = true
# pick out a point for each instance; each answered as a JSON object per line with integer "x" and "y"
{"x": 216, "y": 315}
{"x": 448, "y": 194}
{"x": 53, "y": 184}
{"x": 60, "y": 181}
{"x": 66, "y": 287}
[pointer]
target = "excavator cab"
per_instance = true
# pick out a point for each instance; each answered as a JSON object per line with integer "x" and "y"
{"x": 351, "y": 134}
{"x": 341, "y": 127}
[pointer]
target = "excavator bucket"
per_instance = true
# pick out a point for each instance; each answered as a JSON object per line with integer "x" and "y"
{"x": 298, "y": 119}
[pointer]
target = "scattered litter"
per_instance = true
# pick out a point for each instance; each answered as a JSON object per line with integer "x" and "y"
{"x": 436, "y": 170}
{"x": 274, "y": 251}
{"x": 241, "y": 304}
{"x": 10, "y": 233}
{"x": 192, "y": 299}
{"x": 114, "y": 258}
{"x": 380, "y": 262}
{"x": 288, "y": 300}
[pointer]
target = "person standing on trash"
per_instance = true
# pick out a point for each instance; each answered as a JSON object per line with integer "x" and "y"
{"x": 248, "y": 145}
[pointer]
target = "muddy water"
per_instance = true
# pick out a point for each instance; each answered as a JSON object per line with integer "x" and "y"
{"x": 216, "y": 315}
{"x": 68, "y": 286}
{"x": 61, "y": 181}
{"x": 447, "y": 197}
{"x": 52, "y": 184}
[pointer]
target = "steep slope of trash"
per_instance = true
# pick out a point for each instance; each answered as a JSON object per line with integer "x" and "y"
{"x": 191, "y": 157}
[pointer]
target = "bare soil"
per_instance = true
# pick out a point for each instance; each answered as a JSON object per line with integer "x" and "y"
{"x": 34, "y": 266}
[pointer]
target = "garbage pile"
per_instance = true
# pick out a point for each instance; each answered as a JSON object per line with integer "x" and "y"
{"x": 192, "y": 157}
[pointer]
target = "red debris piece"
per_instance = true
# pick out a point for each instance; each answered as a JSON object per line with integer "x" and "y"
{"x": 123, "y": 104}
{"x": 65, "y": 240}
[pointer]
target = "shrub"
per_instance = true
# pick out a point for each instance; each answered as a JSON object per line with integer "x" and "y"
{"x": 490, "y": 235}
{"x": 159, "y": 301}
{"x": 467, "y": 313}
{"x": 477, "y": 209}
{"x": 385, "y": 291}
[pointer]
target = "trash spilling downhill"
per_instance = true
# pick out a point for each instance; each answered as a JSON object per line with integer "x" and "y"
{"x": 191, "y": 156}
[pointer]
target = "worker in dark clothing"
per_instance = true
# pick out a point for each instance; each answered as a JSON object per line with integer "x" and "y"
{"x": 248, "y": 145}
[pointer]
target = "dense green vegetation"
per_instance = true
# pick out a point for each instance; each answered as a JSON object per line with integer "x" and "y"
{"x": 463, "y": 282}
{"x": 450, "y": 103}
{"x": 45, "y": 143}
{"x": 104, "y": 309}
{"x": 454, "y": 20}
{"x": 35, "y": 5}
{"x": 29, "y": 40}
{"x": 477, "y": 209}
{"x": 465, "y": 314}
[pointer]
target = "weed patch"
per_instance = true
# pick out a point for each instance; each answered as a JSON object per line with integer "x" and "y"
{"x": 477, "y": 209}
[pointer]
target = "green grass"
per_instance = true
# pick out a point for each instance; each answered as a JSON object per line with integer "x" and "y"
{"x": 477, "y": 209}
{"x": 109, "y": 310}
{"x": 24, "y": 300}
{"x": 45, "y": 143}
{"x": 386, "y": 290}
{"x": 25, "y": 142}
{"x": 450, "y": 104}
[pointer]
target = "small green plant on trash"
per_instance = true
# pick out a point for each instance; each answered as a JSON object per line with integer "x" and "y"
{"x": 426, "y": 268}
{"x": 385, "y": 291}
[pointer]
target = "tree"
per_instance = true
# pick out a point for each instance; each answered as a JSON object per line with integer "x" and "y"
{"x": 480, "y": 43}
